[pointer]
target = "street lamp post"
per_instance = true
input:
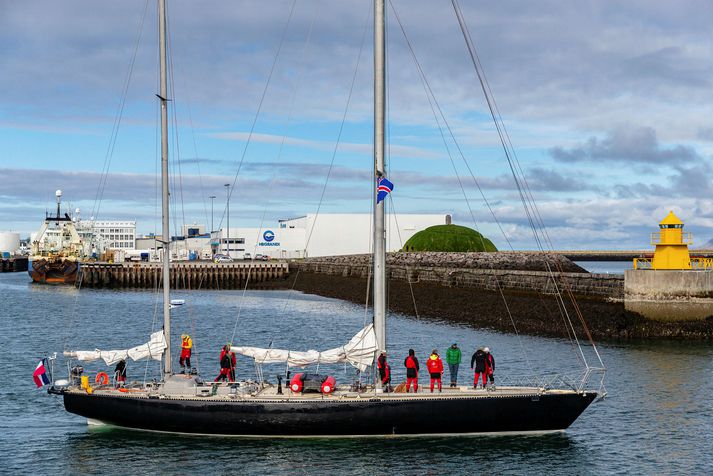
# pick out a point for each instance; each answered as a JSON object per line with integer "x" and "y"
{"x": 212, "y": 197}
{"x": 227, "y": 215}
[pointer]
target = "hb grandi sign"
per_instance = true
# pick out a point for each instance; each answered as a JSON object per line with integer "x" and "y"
{"x": 268, "y": 239}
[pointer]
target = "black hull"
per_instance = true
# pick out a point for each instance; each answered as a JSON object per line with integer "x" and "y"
{"x": 365, "y": 417}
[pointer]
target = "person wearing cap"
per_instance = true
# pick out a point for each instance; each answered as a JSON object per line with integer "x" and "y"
{"x": 412, "y": 368}
{"x": 186, "y": 349}
{"x": 384, "y": 371}
{"x": 435, "y": 369}
{"x": 478, "y": 360}
{"x": 489, "y": 365}
{"x": 453, "y": 359}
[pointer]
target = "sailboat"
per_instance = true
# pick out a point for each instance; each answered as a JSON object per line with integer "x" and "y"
{"x": 186, "y": 404}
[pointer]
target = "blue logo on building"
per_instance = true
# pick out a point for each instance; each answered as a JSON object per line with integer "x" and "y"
{"x": 268, "y": 235}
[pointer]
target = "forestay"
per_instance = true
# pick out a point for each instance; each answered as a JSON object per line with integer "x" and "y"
{"x": 359, "y": 352}
{"x": 152, "y": 349}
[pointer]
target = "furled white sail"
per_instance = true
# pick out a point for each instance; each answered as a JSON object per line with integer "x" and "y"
{"x": 359, "y": 352}
{"x": 152, "y": 349}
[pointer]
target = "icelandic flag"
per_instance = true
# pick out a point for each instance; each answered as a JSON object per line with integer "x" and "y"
{"x": 383, "y": 189}
{"x": 40, "y": 374}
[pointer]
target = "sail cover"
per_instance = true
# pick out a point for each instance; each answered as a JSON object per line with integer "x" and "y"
{"x": 359, "y": 352}
{"x": 152, "y": 349}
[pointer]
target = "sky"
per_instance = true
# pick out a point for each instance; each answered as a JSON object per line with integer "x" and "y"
{"x": 607, "y": 104}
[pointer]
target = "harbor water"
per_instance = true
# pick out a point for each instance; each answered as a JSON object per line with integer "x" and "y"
{"x": 657, "y": 418}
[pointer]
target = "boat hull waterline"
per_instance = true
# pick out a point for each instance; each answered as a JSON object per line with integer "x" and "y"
{"x": 376, "y": 416}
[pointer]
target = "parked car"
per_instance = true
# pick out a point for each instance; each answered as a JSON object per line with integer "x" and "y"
{"x": 218, "y": 258}
{"x": 258, "y": 257}
{"x": 247, "y": 256}
{"x": 265, "y": 258}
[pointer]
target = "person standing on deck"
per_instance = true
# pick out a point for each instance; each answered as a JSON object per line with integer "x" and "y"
{"x": 186, "y": 349}
{"x": 435, "y": 369}
{"x": 120, "y": 373}
{"x": 384, "y": 371}
{"x": 412, "y": 368}
{"x": 479, "y": 360}
{"x": 453, "y": 359}
{"x": 489, "y": 365}
{"x": 227, "y": 365}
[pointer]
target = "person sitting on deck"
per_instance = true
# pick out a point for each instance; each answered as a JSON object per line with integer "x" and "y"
{"x": 412, "y": 368}
{"x": 435, "y": 368}
{"x": 479, "y": 360}
{"x": 384, "y": 371}
{"x": 120, "y": 373}
{"x": 186, "y": 349}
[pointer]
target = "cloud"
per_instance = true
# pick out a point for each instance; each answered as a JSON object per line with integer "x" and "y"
{"x": 635, "y": 145}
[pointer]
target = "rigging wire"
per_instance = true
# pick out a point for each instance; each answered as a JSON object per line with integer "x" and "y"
{"x": 257, "y": 112}
{"x": 531, "y": 209}
{"x": 433, "y": 103}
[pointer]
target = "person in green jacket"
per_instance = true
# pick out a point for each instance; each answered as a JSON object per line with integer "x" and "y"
{"x": 453, "y": 358}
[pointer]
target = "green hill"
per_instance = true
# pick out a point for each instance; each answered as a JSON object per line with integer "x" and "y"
{"x": 449, "y": 238}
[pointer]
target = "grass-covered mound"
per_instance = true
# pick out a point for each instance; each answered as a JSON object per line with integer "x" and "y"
{"x": 453, "y": 238}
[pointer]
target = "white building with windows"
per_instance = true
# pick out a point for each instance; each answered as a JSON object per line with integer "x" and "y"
{"x": 112, "y": 234}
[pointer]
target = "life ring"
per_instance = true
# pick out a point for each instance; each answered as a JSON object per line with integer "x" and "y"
{"x": 102, "y": 378}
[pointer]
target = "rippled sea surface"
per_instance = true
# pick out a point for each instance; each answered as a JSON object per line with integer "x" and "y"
{"x": 657, "y": 418}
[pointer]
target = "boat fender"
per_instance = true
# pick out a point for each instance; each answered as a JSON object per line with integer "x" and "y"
{"x": 328, "y": 384}
{"x": 297, "y": 382}
{"x": 102, "y": 378}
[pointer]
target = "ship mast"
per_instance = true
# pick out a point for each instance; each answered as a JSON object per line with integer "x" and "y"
{"x": 379, "y": 171}
{"x": 166, "y": 234}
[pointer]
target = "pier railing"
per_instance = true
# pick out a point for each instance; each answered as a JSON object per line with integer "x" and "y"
{"x": 686, "y": 239}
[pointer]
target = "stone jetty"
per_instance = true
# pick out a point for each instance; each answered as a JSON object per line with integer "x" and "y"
{"x": 184, "y": 275}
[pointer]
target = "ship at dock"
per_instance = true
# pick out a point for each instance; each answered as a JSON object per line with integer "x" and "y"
{"x": 56, "y": 249}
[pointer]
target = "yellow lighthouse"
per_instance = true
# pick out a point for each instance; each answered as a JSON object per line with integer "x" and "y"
{"x": 671, "y": 245}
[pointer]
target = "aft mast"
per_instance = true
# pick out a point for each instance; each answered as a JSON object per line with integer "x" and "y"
{"x": 166, "y": 235}
{"x": 379, "y": 171}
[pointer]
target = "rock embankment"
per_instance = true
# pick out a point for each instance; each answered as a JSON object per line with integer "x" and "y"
{"x": 502, "y": 260}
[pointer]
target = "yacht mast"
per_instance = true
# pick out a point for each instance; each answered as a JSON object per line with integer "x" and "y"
{"x": 379, "y": 171}
{"x": 166, "y": 232}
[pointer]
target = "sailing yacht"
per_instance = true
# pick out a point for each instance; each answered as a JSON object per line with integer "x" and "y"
{"x": 187, "y": 404}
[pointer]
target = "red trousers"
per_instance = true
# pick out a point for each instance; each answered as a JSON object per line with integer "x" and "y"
{"x": 485, "y": 378}
{"x": 225, "y": 374}
{"x": 439, "y": 384}
{"x": 413, "y": 380}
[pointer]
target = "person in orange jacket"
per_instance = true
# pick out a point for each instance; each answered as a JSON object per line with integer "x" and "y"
{"x": 412, "y": 368}
{"x": 435, "y": 368}
{"x": 186, "y": 349}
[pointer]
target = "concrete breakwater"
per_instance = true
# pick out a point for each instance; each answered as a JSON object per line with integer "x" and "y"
{"x": 467, "y": 290}
{"x": 184, "y": 275}
{"x": 511, "y": 271}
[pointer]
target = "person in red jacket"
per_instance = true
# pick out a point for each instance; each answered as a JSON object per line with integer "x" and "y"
{"x": 435, "y": 368}
{"x": 412, "y": 368}
{"x": 384, "y": 372}
{"x": 489, "y": 365}
{"x": 227, "y": 364}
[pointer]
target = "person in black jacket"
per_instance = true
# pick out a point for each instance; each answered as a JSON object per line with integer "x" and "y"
{"x": 479, "y": 360}
{"x": 384, "y": 372}
{"x": 489, "y": 365}
{"x": 120, "y": 373}
{"x": 412, "y": 368}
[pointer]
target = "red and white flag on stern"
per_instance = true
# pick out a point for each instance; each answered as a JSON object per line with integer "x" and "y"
{"x": 40, "y": 374}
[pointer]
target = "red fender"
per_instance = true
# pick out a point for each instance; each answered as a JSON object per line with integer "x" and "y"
{"x": 328, "y": 384}
{"x": 296, "y": 383}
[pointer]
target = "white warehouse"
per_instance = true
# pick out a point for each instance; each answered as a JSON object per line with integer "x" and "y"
{"x": 320, "y": 235}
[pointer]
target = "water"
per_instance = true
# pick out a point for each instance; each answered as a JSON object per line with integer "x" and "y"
{"x": 606, "y": 267}
{"x": 658, "y": 417}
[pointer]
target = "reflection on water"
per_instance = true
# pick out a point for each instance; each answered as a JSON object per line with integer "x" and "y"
{"x": 658, "y": 416}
